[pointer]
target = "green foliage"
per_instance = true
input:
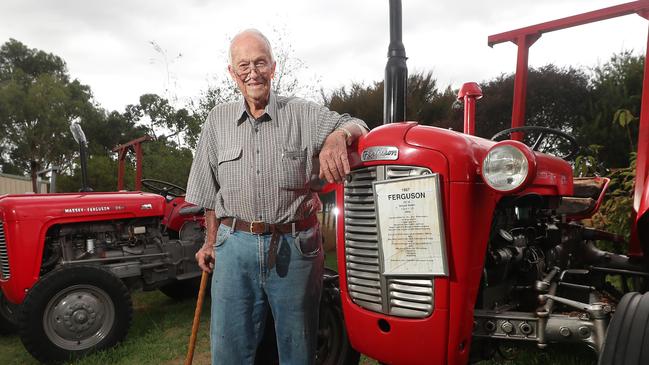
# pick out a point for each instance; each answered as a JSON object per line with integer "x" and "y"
{"x": 615, "y": 212}
{"x": 425, "y": 103}
{"x": 614, "y": 100}
{"x": 556, "y": 98}
{"x": 623, "y": 117}
{"x": 364, "y": 102}
{"x": 165, "y": 122}
{"x": 104, "y": 131}
{"x": 102, "y": 175}
{"x": 168, "y": 162}
{"x": 587, "y": 162}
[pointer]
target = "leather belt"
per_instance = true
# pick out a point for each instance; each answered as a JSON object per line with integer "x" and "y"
{"x": 258, "y": 227}
{"x": 276, "y": 229}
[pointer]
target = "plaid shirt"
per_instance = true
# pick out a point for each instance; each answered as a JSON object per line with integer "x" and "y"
{"x": 262, "y": 169}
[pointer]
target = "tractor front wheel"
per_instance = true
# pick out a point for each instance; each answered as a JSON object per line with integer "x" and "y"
{"x": 627, "y": 337}
{"x": 8, "y": 316}
{"x": 73, "y": 311}
{"x": 333, "y": 344}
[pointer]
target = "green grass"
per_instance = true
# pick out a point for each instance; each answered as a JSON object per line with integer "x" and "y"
{"x": 158, "y": 336}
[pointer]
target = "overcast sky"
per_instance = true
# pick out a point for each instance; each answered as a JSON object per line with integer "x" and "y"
{"x": 107, "y": 44}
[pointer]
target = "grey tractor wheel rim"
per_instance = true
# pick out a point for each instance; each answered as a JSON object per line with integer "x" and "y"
{"x": 78, "y": 317}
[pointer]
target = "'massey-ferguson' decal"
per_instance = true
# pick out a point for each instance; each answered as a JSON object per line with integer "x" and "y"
{"x": 86, "y": 209}
{"x": 380, "y": 153}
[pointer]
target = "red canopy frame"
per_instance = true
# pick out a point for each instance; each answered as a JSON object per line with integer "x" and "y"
{"x": 525, "y": 37}
{"x": 122, "y": 150}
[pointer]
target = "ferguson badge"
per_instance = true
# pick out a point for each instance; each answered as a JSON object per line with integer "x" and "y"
{"x": 380, "y": 153}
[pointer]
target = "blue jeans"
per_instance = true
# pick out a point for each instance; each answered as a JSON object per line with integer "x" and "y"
{"x": 243, "y": 287}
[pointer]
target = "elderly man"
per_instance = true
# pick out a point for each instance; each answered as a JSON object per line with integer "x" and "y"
{"x": 253, "y": 170}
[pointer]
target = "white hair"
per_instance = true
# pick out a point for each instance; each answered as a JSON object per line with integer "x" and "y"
{"x": 258, "y": 34}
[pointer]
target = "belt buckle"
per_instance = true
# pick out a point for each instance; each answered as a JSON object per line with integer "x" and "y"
{"x": 262, "y": 228}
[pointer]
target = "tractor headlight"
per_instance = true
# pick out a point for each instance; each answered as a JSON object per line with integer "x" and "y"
{"x": 507, "y": 166}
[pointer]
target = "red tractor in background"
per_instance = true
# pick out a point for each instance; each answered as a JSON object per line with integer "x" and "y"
{"x": 69, "y": 261}
{"x": 450, "y": 244}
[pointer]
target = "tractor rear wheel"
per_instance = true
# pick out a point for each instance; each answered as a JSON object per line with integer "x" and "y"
{"x": 8, "y": 316}
{"x": 333, "y": 347}
{"x": 73, "y": 311}
{"x": 627, "y": 337}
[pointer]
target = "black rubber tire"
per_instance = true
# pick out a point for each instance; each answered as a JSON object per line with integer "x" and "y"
{"x": 8, "y": 316}
{"x": 58, "y": 318}
{"x": 184, "y": 289}
{"x": 333, "y": 344}
{"x": 627, "y": 337}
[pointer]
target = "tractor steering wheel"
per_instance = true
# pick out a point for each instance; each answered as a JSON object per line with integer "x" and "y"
{"x": 163, "y": 188}
{"x": 543, "y": 132}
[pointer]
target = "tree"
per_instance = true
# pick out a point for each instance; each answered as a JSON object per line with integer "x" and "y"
{"x": 161, "y": 120}
{"x": 425, "y": 103}
{"x": 614, "y": 101}
{"x": 167, "y": 161}
{"x": 37, "y": 103}
{"x": 105, "y": 130}
{"x": 556, "y": 98}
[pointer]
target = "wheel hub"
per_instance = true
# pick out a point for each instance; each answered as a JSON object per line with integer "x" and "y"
{"x": 79, "y": 317}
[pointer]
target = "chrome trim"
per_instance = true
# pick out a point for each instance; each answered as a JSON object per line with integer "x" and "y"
{"x": 5, "y": 272}
{"x": 376, "y": 153}
{"x": 397, "y": 296}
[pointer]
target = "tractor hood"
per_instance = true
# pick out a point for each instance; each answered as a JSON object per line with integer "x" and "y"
{"x": 44, "y": 207}
{"x": 457, "y": 157}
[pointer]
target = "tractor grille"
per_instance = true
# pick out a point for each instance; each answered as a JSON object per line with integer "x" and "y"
{"x": 4, "y": 256}
{"x": 401, "y": 296}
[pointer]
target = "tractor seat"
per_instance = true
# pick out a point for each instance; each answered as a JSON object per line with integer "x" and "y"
{"x": 588, "y": 187}
{"x": 191, "y": 210}
{"x": 588, "y": 193}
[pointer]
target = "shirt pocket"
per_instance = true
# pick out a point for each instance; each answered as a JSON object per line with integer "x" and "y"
{"x": 293, "y": 168}
{"x": 229, "y": 167}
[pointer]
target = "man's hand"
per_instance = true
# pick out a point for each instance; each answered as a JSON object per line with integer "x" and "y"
{"x": 205, "y": 257}
{"x": 334, "y": 164}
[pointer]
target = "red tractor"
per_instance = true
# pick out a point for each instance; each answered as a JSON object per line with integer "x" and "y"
{"x": 69, "y": 261}
{"x": 451, "y": 244}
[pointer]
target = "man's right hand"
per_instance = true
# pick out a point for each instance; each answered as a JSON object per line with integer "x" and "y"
{"x": 205, "y": 257}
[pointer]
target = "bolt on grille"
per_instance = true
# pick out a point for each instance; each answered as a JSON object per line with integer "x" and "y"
{"x": 410, "y": 297}
{"x": 5, "y": 274}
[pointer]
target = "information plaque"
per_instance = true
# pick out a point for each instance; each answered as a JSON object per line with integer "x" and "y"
{"x": 411, "y": 226}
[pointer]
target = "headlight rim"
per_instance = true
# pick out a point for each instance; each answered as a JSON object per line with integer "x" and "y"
{"x": 531, "y": 165}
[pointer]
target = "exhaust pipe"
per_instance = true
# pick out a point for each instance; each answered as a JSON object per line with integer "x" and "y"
{"x": 80, "y": 137}
{"x": 396, "y": 71}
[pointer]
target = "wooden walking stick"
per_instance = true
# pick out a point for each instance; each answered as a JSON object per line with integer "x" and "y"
{"x": 197, "y": 319}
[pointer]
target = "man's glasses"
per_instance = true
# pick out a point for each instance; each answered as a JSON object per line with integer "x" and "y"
{"x": 245, "y": 69}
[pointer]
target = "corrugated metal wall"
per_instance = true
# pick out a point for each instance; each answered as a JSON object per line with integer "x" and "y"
{"x": 13, "y": 184}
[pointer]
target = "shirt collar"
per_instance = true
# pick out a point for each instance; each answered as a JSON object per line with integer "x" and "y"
{"x": 270, "y": 109}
